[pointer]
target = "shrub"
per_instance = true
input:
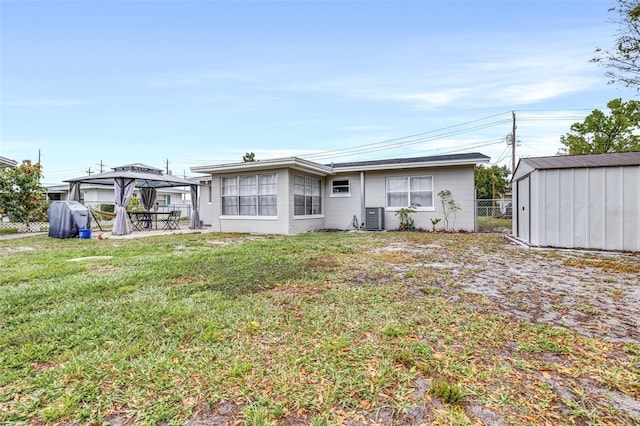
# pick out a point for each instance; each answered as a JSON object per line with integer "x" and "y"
{"x": 450, "y": 393}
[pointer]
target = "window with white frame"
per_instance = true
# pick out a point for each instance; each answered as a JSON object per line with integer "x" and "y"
{"x": 249, "y": 195}
{"x": 307, "y": 196}
{"x": 410, "y": 190}
{"x": 340, "y": 187}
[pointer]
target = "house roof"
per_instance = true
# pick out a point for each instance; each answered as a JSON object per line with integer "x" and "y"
{"x": 412, "y": 162}
{"x": 274, "y": 163}
{"x": 327, "y": 169}
{"x": 7, "y": 162}
{"x": 614, "y": 159}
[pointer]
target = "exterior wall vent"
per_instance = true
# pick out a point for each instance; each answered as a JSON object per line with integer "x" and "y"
{"x": 374, "y": 219}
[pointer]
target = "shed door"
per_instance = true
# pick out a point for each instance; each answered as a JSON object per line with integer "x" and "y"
{"x": 524, "y": 215}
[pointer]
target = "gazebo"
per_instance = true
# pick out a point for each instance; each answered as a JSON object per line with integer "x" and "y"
{"x": 124, "y": 179}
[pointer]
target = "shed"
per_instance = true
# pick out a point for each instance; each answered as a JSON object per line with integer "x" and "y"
{"x": 578, "y": 201}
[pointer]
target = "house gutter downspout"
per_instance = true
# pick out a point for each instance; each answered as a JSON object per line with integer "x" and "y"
{"x": 363, "y": 202}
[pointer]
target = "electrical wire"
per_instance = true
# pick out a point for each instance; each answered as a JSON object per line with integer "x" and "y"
{"x": 392, "y": 142}
{"x": 366, "y": 149}
{"x": 502, "y": 156}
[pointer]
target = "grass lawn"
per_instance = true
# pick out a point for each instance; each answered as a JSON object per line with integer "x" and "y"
{"x": 494, "y": 224}
{"x": 319, "y": 328}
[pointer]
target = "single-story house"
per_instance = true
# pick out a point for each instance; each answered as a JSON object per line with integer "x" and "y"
{"x": 292, "y": 195}
{"x": 578, "y": 201}
{"x": 7, "y": 162}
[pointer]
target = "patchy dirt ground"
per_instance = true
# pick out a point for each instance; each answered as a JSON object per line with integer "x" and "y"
{"x": 596, "y": 294}
{"x": 593, "y": 294}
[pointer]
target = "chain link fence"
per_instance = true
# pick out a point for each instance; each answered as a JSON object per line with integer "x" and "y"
{"x": 494, "y": 208}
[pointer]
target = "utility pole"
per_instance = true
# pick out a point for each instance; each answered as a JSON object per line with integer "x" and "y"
{"x": 89, "y": 171}
{"x": 39, "y": 163}
{"x": 167, "y": 166}
{"x": 101, "y": 164}
{"x": 513, "y": 144}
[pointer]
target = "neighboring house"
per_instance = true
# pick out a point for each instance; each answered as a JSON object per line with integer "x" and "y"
{"x": 578, "y": 201}
{"x": 293, "y": 195}
{"x": 95, "y": 195}
{"x": 6, "y": 162}
{"x": 506, "y": 204}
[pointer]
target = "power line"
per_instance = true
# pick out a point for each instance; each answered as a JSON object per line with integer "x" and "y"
{"x": 409, "y": 140}
{"x": 535, "y": 149}
{"x": 392, "y": 142}
{"x": 380, "y": 146}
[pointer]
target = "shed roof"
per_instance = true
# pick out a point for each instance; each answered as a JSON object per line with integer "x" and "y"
{"x": 613, "y": 159}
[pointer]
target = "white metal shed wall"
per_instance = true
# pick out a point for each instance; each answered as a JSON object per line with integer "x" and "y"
{"x": 596, "y": 208}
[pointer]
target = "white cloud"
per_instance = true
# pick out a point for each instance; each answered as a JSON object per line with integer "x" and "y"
{"x": 433, "y": 99}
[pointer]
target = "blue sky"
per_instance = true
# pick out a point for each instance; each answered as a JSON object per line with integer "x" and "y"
{"x": 203, "y": 82}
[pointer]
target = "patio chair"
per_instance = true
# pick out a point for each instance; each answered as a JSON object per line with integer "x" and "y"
{"x": 140, "y": 220}
{"x": 172, "y": 221}
{"x": 136, "y": 223}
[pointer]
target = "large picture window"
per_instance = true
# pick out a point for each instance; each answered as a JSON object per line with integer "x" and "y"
{"x": 249, "y": 195}
{"x": 307, "y": 194}
{"x": 411, "y": 190}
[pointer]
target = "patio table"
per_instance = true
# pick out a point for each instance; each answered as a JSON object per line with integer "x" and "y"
{"x": 148, "y": 219}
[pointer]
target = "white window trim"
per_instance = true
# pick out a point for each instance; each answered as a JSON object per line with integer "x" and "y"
{"x": 311, "y": 216}
{"x": 340, "y": 194}
{"x": 418, "y": 208}
{"x": 235, "y": 217}
{"x": 322, "y": 200}
{"x": 237, "y": 177}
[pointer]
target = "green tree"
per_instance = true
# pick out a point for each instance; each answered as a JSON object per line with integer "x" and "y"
{"x": 21, "y": 192}
{"x": 249, "y": 157}
{"x": 623, "y": 61}
{"x": 491, "y": 180}
{"x": 601, "y": 133}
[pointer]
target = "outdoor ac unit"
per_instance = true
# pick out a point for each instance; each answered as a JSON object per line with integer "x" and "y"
{"x": 374, "y": 218}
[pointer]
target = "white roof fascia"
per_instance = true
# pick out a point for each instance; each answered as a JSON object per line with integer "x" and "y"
{"x": 425, "y": 164}
{"x": 7, "y": 162}
{"x": 522, "y": 169}
{"x": 276, "y": 163}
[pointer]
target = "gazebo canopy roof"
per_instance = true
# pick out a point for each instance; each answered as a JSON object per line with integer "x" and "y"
{"x": 144, "y": 176}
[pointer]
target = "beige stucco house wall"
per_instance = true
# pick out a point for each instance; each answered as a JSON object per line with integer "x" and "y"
{"x": 346, "y": 190}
